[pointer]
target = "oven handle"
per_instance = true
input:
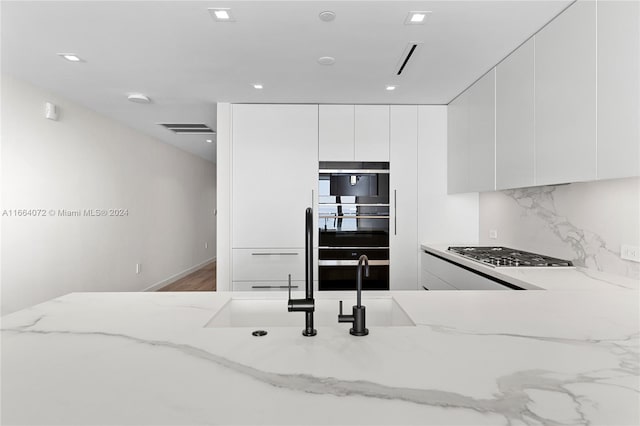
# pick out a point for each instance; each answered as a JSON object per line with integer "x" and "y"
{"x": 351, "y": 263}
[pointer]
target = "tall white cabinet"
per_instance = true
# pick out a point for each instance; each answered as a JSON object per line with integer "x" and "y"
{"x": 618, "y": 89}
{"x": 274, "y": 176}
{"x": 403, "y": 238}
{"x": 565, "y": 97}
{"x": 471, "y": 153}
{"x": 515, "y": 119}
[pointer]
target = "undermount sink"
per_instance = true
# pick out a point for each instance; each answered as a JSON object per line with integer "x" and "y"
{"x": 242, "y": 312}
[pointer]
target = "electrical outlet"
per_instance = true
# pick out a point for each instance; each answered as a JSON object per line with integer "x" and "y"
{"x": 628, "y": 252}
{"x": 138, "y": 268}
{"x": 493, "y": 234}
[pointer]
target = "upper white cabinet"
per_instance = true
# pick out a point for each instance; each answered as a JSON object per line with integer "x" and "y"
{"x": 618, "y": 89}
{"x": 403, "y": 238}
{"x": 274, "y": 174}
{"x": 565, "y": 97}
{"x": 471, "y": 151}
{"x": 354, "y": 133}
{"x": 515, "y": 117}
{"x": 371, "y": 133}
{"x": 336, "y": 132}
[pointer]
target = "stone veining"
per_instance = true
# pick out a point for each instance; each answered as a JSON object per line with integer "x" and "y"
{"x": 590, "y": 249}
{"x": 511, "y": 402}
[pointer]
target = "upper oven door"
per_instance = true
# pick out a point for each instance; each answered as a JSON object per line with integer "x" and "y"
{"x": 353, "y": 205}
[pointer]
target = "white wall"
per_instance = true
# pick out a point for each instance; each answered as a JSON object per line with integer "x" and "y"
{"x": 442, "y": 218}
{"x": 585, "y": 222}
{"x": 86, "y": 161}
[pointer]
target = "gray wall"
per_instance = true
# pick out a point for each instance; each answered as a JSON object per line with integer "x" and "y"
{"x": 86, "y": 161}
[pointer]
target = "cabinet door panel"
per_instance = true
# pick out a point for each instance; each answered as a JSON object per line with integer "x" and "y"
{"x": 403, "y": 239}
{"x": 371, "y": 133}
{"x": 481, "y": 135}
{"x": 565, "y": 102}
{"x": 457, "y": 122}
{"x": 618, "y": 89}
{"x": 515, "y": 150}
{"x": 336, "y": 132}
{"x": 275, "y": 169}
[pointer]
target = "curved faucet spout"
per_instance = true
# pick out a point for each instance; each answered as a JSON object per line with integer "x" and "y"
{"x": 363, "y": 260}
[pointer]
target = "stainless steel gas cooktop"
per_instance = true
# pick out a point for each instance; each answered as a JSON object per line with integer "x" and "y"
{"x": 508, "y": 257}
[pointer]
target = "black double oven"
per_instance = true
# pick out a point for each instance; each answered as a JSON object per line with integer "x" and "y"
{"x": 353, "y": 219}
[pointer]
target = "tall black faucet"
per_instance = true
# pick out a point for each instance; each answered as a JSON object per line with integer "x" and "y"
{"x": 357, "y": 318}
{"x": 306, "y": 305}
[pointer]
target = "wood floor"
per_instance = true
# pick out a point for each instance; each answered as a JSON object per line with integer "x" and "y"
{"x": 203, "y": 279}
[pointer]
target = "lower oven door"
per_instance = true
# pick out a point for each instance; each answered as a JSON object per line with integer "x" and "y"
{"x": 341, "y": 275}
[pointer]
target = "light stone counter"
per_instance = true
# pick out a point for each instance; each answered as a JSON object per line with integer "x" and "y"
{"x": 473, "y": 358}
{"x": 574, "y": 278}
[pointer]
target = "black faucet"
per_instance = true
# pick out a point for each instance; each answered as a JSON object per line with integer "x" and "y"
{"x": 306, "y": 305}
{"x": 357, "y": 318}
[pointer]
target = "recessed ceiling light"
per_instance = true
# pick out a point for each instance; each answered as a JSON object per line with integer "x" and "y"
{"x": 221, "y": 14}
{"x": 258, "y": 86}
{"x": 139, "y": 98}
{"x": 390, "y": 87}
{"x": 327, "y": 16}
{"x": 71, "y": 57}
{"x": 209, "y": 140}
{"x": 416, "y": 17}
{"x": 326, "y": 60}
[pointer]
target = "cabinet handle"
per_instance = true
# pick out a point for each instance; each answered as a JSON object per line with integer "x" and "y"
{"x": 395, "y": 212}
{"x": 274, "y": 254}
{"x": 273, "y": 286}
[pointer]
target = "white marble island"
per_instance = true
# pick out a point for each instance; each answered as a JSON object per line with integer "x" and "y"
{"x": 473, "y": 358}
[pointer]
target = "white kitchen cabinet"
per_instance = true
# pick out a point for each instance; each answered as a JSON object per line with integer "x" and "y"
{"x": 274, "y": 174}
{"x": 565, "y": 97}
{"x": 403, "y": 238}
{"x": 268, "y": 264}
{"x": 371, "y": 135}
{"x": 471, "y": 155}
{"x": 618, "y": 89}
{"x": 456, "y": 145}
{"x": 354, "y": 132}
{"x": 515, "y": 118}
{"x": 336, "y": 132}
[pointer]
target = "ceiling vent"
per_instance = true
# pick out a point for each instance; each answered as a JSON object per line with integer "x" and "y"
{"x": 188, "y": 129}
{"x": 406, "y": 55}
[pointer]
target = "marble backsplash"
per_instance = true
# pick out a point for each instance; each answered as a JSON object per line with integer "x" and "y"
{"x": 585, "y": 222}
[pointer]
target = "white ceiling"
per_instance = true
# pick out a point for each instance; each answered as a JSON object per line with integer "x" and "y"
{"x": 174, "y": 52}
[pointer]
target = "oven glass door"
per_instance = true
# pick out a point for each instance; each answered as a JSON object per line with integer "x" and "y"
{"x": 343, "y": 277}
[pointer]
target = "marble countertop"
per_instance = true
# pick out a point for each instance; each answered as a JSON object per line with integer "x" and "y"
{"x": 473, "y": 358}
{"x": 574, "y": 278}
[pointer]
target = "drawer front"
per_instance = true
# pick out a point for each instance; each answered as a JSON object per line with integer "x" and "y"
{"x": 267, "y": 286}
{"x": 457, "y": 276}
{"x": 268, "y": 264}
{"x": 431, "y": 282}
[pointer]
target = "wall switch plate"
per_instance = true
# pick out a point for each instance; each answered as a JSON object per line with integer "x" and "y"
{"x": 206, "y": 245}
{"x": 138, "y": 268}
{"x": 493, "y": 234}
{"x": 628, "y": 252}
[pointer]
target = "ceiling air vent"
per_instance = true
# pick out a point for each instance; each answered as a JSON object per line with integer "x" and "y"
{"x": 406, "y": 55}
{"x": 188, "y": 129}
